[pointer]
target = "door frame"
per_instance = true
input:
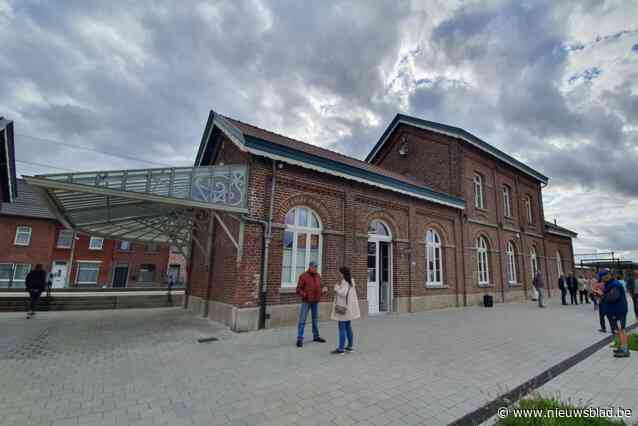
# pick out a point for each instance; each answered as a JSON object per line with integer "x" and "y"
{"x": 377, "y": 240}
{"x": 66, "y": 272}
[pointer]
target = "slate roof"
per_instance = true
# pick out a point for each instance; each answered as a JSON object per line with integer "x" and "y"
{"x": 273, "y": 145}
{"x": 29, "y": 203}
{"x": 549, "y": 226}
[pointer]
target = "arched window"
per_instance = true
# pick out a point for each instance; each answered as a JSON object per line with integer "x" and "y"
{"x": 433, "y": 259}
{"x": 302, "y": 244}
{"x": 559, "y": 264}
{"x": 511, "y": 263}
{"x": 478, "y": 191}
{"x": 507, "y": 201}
{"x": 376, "y": 227}
{"x": 534, "y": 260}
{"x": 482, "y": 262}
{"x": 528, "y": 208}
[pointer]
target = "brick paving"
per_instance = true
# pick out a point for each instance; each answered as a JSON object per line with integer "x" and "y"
{"x": 145, "y": 367}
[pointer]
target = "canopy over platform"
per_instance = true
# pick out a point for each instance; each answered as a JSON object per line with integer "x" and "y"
{"x": 150, "y": 205}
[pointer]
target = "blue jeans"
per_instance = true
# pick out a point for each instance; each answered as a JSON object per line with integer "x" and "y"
{"x": 345, "y": 329}
{"x": 303, "y": 314}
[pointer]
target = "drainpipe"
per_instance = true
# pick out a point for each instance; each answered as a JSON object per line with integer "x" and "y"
{"x": 70, "y": 269}
{"x": 263, "y": 293}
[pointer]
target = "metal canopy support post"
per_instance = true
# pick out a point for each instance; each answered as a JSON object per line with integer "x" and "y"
{"x": 208, "y": 262}
{"x": 240, "y": 247}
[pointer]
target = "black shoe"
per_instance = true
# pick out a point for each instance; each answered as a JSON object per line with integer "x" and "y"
{"x": 319, "y": 339}
{"x": 349, "y": 349}
{"x": 602, "y": 330}
{"x": 337, "y": 352}
{"x": 622, "y": 354}
{"x": 300, "y": 343}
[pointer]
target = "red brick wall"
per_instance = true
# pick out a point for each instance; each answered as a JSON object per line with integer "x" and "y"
{"x": 43, "y": 232}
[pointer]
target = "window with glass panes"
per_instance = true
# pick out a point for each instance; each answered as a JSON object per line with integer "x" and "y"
{"x": 507, "y": 201}
{"x": 6, "y": 273}
{"x": 20, "y": 272}
{"x": 511, "y": 263}
{"x": 87, "y": 272}
{"x": 302, "y": 244}
{"x": 478, "y": 191}
{"x": 482, "y": 261}
{"x": 23, "y": 236}
{"x": 65, "y": 239}
{"x": 534, "y": 260}
{"x": 528, "y": 208}
{"x": 147, "y": 273}
{"x": 433, "y": 259}
{"x": 96, "y": 243}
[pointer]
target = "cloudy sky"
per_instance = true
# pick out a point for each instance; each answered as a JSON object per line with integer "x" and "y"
{"x": 553, "y": 83}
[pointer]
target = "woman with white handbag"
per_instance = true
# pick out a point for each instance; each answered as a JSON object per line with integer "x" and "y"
{"x": 345, "y": 308}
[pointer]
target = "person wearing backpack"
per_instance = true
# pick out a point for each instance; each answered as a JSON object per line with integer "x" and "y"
{"x": 614, "y": 304}
{"x": 345, "y": 308}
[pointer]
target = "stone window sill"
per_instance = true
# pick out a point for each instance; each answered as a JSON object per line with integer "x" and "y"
{"x": 287, "y": 290}
{"x": 436, "y": 287}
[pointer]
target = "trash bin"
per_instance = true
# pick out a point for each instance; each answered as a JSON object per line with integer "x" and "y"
{"x": 488, "y": 301}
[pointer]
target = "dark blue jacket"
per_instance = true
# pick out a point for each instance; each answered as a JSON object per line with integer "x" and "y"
{"x": 620, "y": 305}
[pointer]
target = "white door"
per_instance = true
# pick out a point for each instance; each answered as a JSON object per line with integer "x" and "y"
{"x": 373, "y": 277}
{"x": 59, "y": 274}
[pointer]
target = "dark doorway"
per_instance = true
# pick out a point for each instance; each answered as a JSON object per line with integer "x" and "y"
{"x": 120, "y": 276}
{"x": 384, "y": 275}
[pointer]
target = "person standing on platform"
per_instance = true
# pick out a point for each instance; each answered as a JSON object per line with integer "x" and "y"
{"x": 583, "y": 291}
{"x": 539, "y": 285}
{"x": 572, "y": 286}
{"x": 562, "y": 285}
{"x": 310, "y": 290}
{"x": 614, "y": 304}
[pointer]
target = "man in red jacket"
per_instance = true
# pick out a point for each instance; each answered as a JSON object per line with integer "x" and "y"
{"x": 310, "y": 290}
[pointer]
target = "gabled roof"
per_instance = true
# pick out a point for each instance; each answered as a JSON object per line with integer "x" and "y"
{"x": 559, "y": 230}
{"x": 29, "y": 204}
{"x": 268, "y": 144}
{"x": 455, "y": 132}
{"x": 7, "y": 162}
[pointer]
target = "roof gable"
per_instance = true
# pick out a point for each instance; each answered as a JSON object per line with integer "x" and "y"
{"x": 454, "y": 132}
{"x": 262, "y": 142}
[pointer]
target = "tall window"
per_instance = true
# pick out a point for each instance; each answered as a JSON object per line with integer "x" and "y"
{"x": 433, "y": 259}
{"x": 559, "y": 264}
{"x": 65, "y": 239}
{"x": 528, "y": 208}
{"x": 302, "y": 244}
{"x": 478, "y": 191}
{"x": 96, "y": 243}
{"x": 507, "y": 201}
{"x": 511, "y": 263}
{"x": 533, "y": 260}
{"x": 482, "y": 262}
{"x": 125, "y": 245}
{"x": 23, "y": 236}
{"x": 88, "y": 273}
{"x": 13, "y": 275}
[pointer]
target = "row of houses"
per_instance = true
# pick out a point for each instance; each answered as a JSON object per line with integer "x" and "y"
{"x": 30, "y": 234}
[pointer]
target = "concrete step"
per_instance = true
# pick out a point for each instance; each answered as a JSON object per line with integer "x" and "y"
{"x": 62, "y": 303}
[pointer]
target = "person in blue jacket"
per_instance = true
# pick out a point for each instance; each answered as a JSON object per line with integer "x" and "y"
{"x": 614, "y": 305}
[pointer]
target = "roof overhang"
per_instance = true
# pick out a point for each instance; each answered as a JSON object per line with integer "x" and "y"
{"x": 8, "y": 180}
{"x": 458, "y": 133}
{"x": 550, "y": 228}
{"x": 150, "y": 205}
{"x": 277, "y": 152}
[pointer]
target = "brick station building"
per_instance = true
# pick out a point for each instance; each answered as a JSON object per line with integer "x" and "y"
{"x": 434, "y": 217}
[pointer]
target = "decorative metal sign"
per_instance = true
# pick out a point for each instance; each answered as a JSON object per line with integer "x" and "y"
{"x": 220, "y": 185}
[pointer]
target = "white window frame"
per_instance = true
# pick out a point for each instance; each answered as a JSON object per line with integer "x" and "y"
{"x": 559, "y": 263}
{"x": 95, "y": 247}
{"x": 21, "y": 230}
{"x": 507, "y": 201}
{"x": 6, "y": 281}
{"x": 433, "y": 248}
{"x": 60, "y": 234}
{"x": 528, "y": 207}
{"x": 88, "y": 262}
{"x": 479, "y": 201}
{"x": 511, "y": 264}
{"x": 533, "y": 258}
{"x": 482, "y": 262}
{"x": 296, "y": 230}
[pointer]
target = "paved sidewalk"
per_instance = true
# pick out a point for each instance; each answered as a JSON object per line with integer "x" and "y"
{"x": 599, "y": 381}
{"x": 144, "y": 367}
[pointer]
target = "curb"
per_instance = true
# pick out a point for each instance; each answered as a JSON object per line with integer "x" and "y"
{"x": 490, "y": 409}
